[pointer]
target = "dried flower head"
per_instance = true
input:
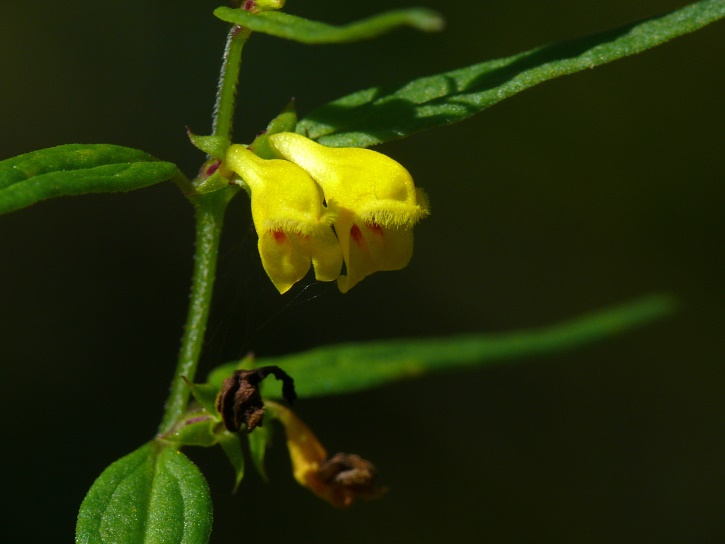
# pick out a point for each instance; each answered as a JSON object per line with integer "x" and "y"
{"x": 240, "y": 401}
{"x": 339, "y": 479}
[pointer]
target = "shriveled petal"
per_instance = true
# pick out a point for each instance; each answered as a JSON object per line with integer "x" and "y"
{"x": 340, "y": 479}
{"x": 306, "y": 452}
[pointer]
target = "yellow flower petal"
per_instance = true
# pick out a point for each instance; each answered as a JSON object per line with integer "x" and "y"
{"x": 293, "y": 225}
{"x": 306, "y": 452}
{"x": 368, "y": 248}
{"x": 375, "y": 197}
{"x": 283, "y": 260}
{"x": 325, "y": 252}
{"x": 375, "y": 186}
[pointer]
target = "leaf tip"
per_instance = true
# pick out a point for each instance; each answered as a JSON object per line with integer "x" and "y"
{"x": 428, "y": 21}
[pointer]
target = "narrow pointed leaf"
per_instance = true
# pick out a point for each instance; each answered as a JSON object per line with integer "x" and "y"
{"x": 347, "y": 368}
{"x": 379, "y": 114}
{"x": 232, "y": 445}
{"x": 154, "y": 495}
{"x": 205, "y": 395}
{"x": 302, "y": 30}
{"x": 77, "y": 169}
{"x": 258, "y": 440}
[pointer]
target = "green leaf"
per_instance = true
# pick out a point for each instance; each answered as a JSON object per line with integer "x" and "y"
{"x": 154, "y": 495}
{"x": 231, "y": 443}
{"x": 205, "y": 395}
{"x": 379, "y": 114}
{"x": 284, "y": 122}
{"x": 77, "y": 169}
{"x": 258, "y": 440}
{"x": 347, "y": 368}
{"x": 302, "y": 30}
{"x": 214, "y": 146}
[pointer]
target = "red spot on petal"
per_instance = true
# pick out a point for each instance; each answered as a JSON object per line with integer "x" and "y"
{"x": 279, "y": 236}
{"x": 356, "y": 235}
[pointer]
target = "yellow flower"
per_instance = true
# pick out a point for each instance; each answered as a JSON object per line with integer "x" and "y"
{"x": 339, "y": 479}
{"x": 293, "y": 225}
{"x": 376, "y": 202}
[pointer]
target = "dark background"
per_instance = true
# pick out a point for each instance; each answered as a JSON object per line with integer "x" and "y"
{"x": 584, "y": 192}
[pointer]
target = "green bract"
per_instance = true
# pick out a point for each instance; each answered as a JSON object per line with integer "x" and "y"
{"x": 232, "y": 446}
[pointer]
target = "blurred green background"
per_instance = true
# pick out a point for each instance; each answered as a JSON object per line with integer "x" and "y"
{"x": 581, "y": 193}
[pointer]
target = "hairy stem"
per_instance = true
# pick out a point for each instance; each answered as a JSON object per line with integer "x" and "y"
{"x": 228, "y": 79}
{"x": 209, "y": 211}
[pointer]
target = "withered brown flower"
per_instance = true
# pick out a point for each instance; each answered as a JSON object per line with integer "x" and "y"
{"x": 240, "y": 401}
{"x": 339, "y": 479}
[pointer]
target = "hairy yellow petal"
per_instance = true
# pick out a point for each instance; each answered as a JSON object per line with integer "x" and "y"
{"x": 376, "y": 201}
{"x": 291, "y": 220}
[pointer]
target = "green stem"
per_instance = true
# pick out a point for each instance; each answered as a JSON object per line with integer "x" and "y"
{"x": 228, "y": 79}
{"x": 209, "y": 211}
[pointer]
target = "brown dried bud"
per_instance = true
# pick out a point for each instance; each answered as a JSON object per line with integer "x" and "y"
{"x": 240, "y": 402}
